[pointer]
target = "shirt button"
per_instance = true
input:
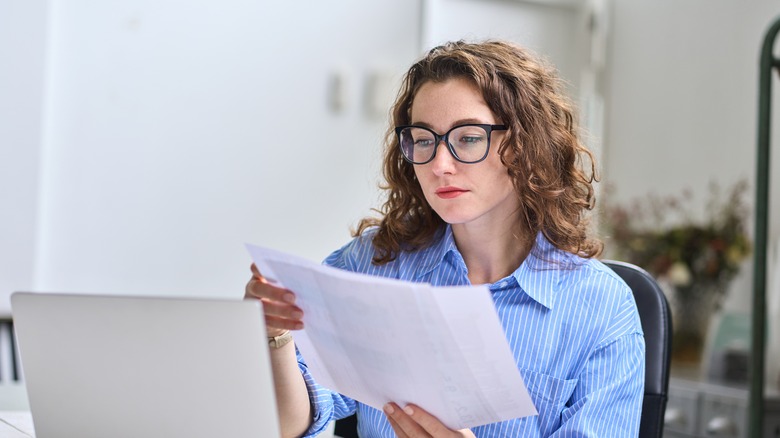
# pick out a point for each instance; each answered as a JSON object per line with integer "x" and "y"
{"x": 502, "y": 284}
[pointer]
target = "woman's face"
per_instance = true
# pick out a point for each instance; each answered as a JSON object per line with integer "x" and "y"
{"x": 479, "y": 193}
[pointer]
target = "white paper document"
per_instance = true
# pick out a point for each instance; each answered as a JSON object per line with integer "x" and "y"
{"x": 378, "y": 340}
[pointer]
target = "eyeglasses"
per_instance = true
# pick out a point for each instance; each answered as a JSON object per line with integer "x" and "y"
{"x": 468, "y": 143}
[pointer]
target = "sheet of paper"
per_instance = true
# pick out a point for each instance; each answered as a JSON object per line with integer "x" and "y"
{"x": 378, "y": 340}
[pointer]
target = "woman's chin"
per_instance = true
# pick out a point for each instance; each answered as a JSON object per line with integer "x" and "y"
{"x": 456, "y": 219}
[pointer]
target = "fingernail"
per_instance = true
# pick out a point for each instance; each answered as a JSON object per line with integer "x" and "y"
{"x": 290, "y": 298}
{"x": 297, "y": 314}
{"x": 408, "y": 410}
{"x": 298, "y": 326}
{"x": 389, "y": 409}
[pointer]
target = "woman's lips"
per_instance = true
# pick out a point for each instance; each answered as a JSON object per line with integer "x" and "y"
{"x": 449, "y": 192}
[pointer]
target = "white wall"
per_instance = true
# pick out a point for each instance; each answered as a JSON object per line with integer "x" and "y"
{"x": 22, "y": 42}
{"x": 173, "y": 132}
{"x": 683, "y": 84}
{"x": 552, "y": 30}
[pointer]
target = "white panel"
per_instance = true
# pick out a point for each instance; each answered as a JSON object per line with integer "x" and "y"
{"x": 555, "y": 3}
{"x": 179, "y": 130}
{"x": 22, "y": 38}
{"x": 683, "y": 84}
{"x": 553, "y": 33}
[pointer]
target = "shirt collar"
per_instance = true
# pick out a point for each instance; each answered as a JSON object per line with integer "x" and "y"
{"x": 541, "y": 275}
{"x": 436, "y": 252}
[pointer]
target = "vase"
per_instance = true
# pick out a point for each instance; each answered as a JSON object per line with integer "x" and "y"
{"x": 693, "y": 307}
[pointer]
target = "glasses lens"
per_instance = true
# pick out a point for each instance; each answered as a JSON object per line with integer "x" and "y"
{"x": 470, "y": 143}
{"x": 417, "y": 144}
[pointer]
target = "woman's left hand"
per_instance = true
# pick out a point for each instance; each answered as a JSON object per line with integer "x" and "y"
{"x": 412, "y": 422}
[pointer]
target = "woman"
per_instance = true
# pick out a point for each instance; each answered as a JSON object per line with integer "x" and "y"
{"x": 485, "y": 186}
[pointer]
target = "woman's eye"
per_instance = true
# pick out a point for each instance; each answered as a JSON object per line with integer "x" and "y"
{"x": 423, "y": 142}
{"x": 472, "y": 139}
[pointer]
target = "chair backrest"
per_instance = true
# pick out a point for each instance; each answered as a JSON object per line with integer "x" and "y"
{"x": 657, "y": 325}
{"x": 656, "y": 321}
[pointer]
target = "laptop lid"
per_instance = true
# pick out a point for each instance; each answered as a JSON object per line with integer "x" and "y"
{"x": 110, "y": 366}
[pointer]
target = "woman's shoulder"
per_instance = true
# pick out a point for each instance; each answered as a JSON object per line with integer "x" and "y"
{"x": 578, "y": 273}
{"x": 355, "y": 254}
{"x": 358, "y": 255}
{"x": 593, "y": 280}
{"x": 603, "y": 295}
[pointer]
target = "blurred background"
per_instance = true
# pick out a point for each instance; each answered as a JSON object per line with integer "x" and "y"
{"x": 142, "y": 143}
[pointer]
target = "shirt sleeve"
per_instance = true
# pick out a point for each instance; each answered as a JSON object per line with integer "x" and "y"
{"x": 326, "y": 405}
{"x": 607, "y": 400}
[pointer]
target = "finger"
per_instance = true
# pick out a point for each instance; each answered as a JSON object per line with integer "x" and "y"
{"x": 399, "y": 433}
{"x": 431, "y": 424}
{"x": 280, "y": 317}
{"x": 256, "y": 288}
{"x": 262, "y": 278}
{"x": 282, "y": 310}
{"x": 389, "y": 411}
{"x": 428, "y": 422}
{"x": 282, "y": 323}
{"x": 404, "y": 422}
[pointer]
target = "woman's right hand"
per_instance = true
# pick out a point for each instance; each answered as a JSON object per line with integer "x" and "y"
{"x": 279, "y": 307}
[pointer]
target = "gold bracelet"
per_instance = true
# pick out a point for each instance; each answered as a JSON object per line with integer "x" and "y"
{"x": 281, "y": 340}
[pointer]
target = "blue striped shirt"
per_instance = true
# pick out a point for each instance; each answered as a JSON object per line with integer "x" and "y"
{"x": 571, "y": 323}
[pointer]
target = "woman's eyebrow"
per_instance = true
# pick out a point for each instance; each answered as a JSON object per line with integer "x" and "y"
{"x": 456, "y": 123}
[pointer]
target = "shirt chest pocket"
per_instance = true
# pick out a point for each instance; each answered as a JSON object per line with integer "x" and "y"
{"x": 550, "y": 396}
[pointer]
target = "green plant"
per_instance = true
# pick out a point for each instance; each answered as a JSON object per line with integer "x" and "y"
{"x": 662, "y": 235}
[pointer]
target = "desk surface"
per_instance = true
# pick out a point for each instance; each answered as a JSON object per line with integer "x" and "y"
{"x": 19, "y": 424}
{"x": 16, "y": 424}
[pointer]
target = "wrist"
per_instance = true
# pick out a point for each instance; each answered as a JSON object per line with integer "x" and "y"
{"x": 280, "y": 340}
{"x": 273, "y": 332}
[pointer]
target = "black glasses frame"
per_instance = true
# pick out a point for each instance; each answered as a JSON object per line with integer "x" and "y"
{"x": 438, "y": 138}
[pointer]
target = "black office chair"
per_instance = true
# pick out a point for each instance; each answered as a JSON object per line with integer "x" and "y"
{"x": 656, "y": 323}
{"x": 346, "y": 427}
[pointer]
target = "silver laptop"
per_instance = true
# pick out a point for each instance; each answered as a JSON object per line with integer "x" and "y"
{"x": 109, "y": 366}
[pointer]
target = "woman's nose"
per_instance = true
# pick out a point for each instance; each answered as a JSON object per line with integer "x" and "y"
{"x": 443, "y": 163}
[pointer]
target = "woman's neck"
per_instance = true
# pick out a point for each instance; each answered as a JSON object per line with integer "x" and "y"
{"x": 491, "y": 253}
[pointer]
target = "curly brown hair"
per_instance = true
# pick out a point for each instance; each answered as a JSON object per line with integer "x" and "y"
{"x": 553, "y": 172}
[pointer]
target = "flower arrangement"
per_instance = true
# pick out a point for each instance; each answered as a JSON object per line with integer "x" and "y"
{"x": 697, "y": 258}
{"x": 661, "y": 235}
